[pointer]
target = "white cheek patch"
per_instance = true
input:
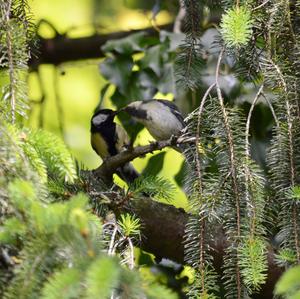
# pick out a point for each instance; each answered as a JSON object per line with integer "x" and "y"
{"x": 99, "y": 119}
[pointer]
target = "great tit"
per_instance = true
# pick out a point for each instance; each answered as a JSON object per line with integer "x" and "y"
{"x": 108, "y": 139}
{"x": 162, "y": 118}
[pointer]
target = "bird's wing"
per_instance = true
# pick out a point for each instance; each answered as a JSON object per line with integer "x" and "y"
{"x": 174, "y": 109}
{"x": 122, "y": 139}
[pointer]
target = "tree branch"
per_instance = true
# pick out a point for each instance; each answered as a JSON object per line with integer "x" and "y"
{"x": 109, "y": 166}
{"x": 163, "y": 229}
{"x": 62, "y": 48}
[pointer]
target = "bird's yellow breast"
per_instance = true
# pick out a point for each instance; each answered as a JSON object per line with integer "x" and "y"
{"x": 99, "y": 145}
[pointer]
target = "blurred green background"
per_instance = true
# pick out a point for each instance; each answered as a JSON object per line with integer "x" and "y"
{"x": 76, "y": 86}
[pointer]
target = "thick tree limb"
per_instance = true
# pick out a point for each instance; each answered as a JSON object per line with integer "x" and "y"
{"x": 62, "y": 49}
{"x": 163, "y": 235}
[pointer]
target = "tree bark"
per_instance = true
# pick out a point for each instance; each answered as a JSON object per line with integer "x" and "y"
{"x": 63, "y": 49}
{"x": 163, "y": 228}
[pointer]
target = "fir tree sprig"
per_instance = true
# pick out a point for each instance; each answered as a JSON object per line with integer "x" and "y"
{"x": 155, "y": 186}
{"x": 16, "y": 28}
{"x": 236, "y": 26}
{"x": 189, "y": 62}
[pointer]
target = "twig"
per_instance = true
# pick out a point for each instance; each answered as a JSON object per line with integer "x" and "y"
{"x": 247, "y": 151}
{"x": 131, "y": 262}
{"x": 42, "y": 99}
{"x": 112, "y": 241}
{"x": 110, "y": 165}
{"x": 251, "y": 205}
{"x": 197, "y": 139}
{"x": 179, "y": 18}
{"x": 272, "y": 110}
{"x": 60, "y": 112}
{"x": 261, "y": 5}
{"x": 198, "y": 168}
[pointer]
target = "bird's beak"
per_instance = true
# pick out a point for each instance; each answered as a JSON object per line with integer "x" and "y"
{"x": 122, "y": 109}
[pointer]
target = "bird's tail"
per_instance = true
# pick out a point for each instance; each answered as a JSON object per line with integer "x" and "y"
{"x": 127, "y": 173}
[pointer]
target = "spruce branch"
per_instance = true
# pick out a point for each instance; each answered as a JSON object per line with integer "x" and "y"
{"x": 289, "y": 149}
{"x": 202, "y": 266}
{"x": 292, "y": 175}
{"x": 233, "y": 171}
{"x": 11, "y": 66}
{"x": 248, "y": 175}
{"x": 189, "y": 60}
{"x": 14, "y": 34}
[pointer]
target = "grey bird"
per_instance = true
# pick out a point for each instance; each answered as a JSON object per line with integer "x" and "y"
{"x": 162, "y": 118}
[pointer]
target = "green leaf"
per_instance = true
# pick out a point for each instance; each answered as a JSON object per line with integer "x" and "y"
{"x": 132, "y": 127}
{"x": 289, "y": 281}
{"x": 154, "y": 165}
{"x": 148, "y": 79}
{"x": 102, "y": 96}
{"x": 101, "y": 278}
{"x": 118, "y": 71}
{"x": 167, "y": 82}
{"x": 180, "y": 175}
{"x": 120, "y": 100}
{"x": 127, "y": 45}
{"x": 152, "y": 59}
{"x": 140, "y": 86}
{"x": 174, "y": 40}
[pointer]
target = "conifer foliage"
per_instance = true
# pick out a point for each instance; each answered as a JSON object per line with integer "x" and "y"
{"x": 58, "y": 241}
{"x": 255, "y": 36}
{"x": 51, "y": 244}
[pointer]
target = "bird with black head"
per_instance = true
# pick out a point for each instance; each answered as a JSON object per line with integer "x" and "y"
{"x": 108, "y": 139}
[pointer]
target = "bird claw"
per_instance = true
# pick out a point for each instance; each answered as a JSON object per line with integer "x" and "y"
{"x": 173, "y": 139}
